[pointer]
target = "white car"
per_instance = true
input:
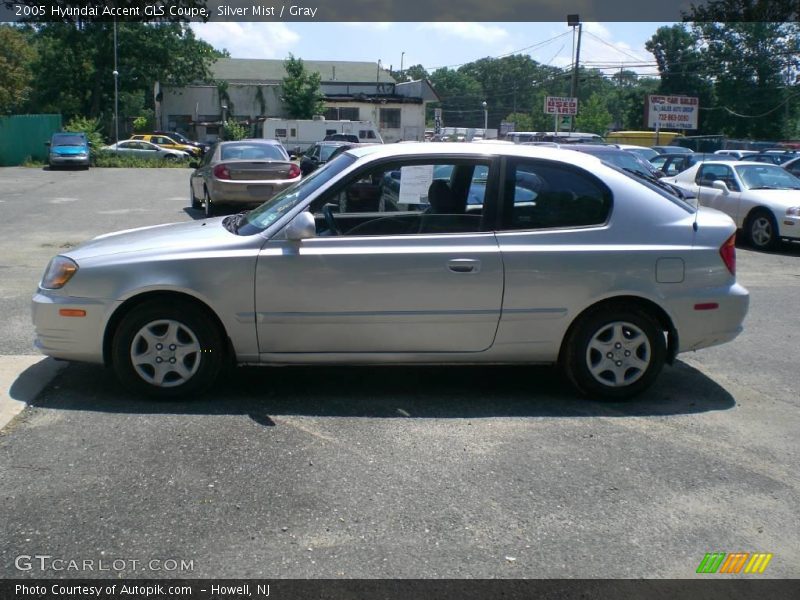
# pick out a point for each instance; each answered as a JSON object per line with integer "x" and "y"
{"x": 145, "y": 150}
{"x": 763, "y": 199}
{"x": 740, "y": 154}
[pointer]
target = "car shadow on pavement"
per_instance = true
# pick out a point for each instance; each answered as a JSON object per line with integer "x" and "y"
{"x": 389, "y": 392}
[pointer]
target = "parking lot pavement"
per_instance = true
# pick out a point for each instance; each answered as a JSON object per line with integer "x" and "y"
{"x": 403, "y": 471}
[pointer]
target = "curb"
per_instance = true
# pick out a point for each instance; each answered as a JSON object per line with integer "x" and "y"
{"x": 22, "y": 378}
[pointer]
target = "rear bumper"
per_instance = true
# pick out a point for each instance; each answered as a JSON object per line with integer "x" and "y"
{"x": 704, "y": 327}
{"x": 247, "y": 192}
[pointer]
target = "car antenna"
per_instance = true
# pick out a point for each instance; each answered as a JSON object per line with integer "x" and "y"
{"x": 696, "y": 210}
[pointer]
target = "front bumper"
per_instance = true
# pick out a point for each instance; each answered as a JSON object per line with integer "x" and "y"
{"x": 64, "y": 159}
{"x": 70, "y": 338}
{"x": 789, "y": 227}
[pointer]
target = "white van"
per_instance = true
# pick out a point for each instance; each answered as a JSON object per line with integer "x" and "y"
{"x": 298, "y": 134}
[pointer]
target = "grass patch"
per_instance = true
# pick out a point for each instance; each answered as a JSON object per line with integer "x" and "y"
{"x": 32, "y": 163}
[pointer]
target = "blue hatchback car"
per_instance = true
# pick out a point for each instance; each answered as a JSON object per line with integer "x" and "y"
{"x": 68, "y": 148}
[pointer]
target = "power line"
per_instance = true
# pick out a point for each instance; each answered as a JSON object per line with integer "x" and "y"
{"x": 513, "y": 52}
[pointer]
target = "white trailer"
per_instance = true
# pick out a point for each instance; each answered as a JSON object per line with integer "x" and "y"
{"x": 299, "y": 134}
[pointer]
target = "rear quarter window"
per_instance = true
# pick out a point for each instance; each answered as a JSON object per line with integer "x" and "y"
{"x": 541, "y": 194}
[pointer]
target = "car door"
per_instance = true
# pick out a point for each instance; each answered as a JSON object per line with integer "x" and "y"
{"x": 727, "y": 202}
{"x": 399, "y": 278}
{"x": 554, "y": 252}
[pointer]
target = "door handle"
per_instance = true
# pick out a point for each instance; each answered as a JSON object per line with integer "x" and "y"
{"x": 464, "y": 265}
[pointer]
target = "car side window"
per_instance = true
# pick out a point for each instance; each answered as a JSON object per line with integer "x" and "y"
{"x": 708, "y": 174}
{"x": 409, "y": 198}
{"x": 542, "y": 195}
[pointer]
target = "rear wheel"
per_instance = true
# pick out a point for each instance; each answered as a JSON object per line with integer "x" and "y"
{"x": 167, "y": 350}
{"x": 762, "y": 230}
{"x": 195, "y": 202}
{"x": 208, "y": 207}
{"x": 614, "y": 353}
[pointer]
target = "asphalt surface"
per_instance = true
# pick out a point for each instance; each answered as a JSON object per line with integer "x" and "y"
{"x": 393, "y": 471}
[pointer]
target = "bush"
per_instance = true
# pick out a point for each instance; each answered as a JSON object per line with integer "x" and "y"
{"x": 234, "y": 131}
{"x": 91, "y": 127}
{"x": 107, "y": 159}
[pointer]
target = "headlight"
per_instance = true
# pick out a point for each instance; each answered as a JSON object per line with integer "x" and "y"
{"x": 58, "y": 273}
{"x": 793, "y": 211}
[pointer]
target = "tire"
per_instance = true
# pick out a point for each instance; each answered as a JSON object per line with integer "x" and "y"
{"x": 195, "y": 202}
{"x": 614, "y": 352}
{"x": 208, "y": 207}
{"x": 170, "y": 158}
{"x": 166, "y": 349}
{"x": 761, "y": 230}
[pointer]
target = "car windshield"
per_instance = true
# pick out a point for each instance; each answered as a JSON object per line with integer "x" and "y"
{"x": 252, "y": 152}
{"x": 326, "y": 151}
{"x": 68, "y": 140}
{"x": 767, "y": 177}
{"x": 265, "y": 215}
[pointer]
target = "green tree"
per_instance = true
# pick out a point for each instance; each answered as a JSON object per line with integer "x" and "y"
{"x": 16, "y": 75}
{"x": 301, "y": 90}
{"x": 412, "y": 73}
{"x": 461, "y": 98}
{"x": 753, "y": 67}
{"x": 73, "y": 73}
{"x": 593, "y": 116}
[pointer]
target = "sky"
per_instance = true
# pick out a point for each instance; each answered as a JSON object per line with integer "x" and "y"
{"x": 608, "y": 46}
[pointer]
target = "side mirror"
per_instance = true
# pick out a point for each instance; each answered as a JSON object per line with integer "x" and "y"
{"x": 301, "y": 227}
{"x": 660, "y": 174}
{"x": 720, "y": 185}
{"x": 47, "y": 143}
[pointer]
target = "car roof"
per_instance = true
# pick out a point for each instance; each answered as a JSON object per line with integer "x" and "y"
{"x": 457, "y": 149}
{"x": 270, "y": 142}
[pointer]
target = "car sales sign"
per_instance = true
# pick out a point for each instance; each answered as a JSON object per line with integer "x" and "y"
{"x": 672, "y": 112}
{"x": 555, "y": 105}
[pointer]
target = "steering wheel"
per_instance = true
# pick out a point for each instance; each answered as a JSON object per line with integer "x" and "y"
{"x": 327, "y": 212}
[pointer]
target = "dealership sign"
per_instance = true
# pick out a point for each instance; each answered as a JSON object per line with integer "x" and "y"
{"x": 672, "y": 112}
{"x": 555, "y": 105}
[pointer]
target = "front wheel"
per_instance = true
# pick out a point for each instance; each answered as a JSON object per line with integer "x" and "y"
{"x": 166, "y": 350}
{"x": 614, "y": 353}
{"x": 762, "y": 230}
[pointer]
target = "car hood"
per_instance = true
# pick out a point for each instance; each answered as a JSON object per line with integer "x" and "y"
{"x": 206, "y": 235}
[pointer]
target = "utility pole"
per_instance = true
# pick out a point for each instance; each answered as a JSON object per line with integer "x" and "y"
{"x": 575, "y": 21}
{"x": 116, "y": 88}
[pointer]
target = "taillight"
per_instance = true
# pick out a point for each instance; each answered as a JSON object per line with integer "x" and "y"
{"x": 222, "y": 172}
{"x": 294, "y": 171}
{"x": 728, "y": 253}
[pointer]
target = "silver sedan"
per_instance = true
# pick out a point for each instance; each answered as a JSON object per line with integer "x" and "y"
{"x": 243, "y": 173}
{"x": 563, "y": 259}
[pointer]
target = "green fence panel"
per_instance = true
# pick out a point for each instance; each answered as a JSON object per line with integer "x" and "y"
{"x": 23, "y": 136}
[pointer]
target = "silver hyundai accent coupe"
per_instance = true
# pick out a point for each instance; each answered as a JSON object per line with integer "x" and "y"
{"x": 410, "y": 253}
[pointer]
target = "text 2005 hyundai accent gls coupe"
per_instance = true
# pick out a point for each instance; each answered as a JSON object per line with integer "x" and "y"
{"x": 379, "y": 258}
